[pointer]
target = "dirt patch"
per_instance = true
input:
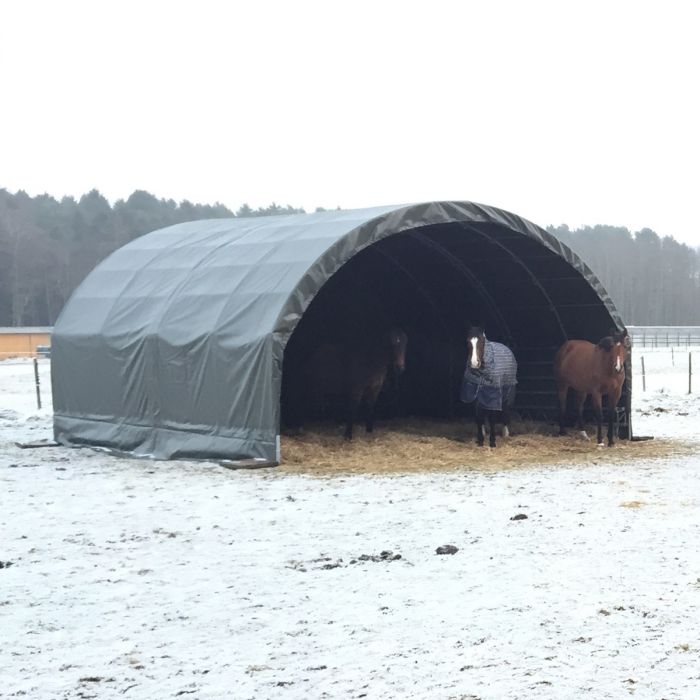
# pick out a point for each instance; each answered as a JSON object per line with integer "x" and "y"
{"x": 638, "y": 504}
{"x": 422, "y": 446}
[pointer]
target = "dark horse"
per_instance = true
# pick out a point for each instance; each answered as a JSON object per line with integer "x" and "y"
{"x": 355, "y": 372}
{"x": 597, "y": 370}
{"x": 489, "y": 379}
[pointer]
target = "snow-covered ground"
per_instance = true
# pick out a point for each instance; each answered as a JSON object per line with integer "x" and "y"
{"x": 136, "y": 579}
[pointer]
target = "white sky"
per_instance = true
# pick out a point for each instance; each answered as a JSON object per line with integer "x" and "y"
{"x": 562, "y": 112}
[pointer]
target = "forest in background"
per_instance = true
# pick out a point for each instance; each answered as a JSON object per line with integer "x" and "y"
{"x": 652, "y": 280}
{"x": 48, "y": 246}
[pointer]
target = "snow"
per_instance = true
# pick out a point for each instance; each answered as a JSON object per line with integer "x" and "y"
{"x": 140, "y": 579}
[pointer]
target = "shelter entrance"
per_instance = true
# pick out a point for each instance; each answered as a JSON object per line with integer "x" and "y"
{"x": 434, "y": 282}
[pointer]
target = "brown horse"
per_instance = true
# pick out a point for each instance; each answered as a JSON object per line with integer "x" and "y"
{"x": 597, "y": 370}
{"x": 355, "y": 371}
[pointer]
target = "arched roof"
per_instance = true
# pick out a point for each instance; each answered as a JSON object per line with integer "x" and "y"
{"x": 173, "y": 345}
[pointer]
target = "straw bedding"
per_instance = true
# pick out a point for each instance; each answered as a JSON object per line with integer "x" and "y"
{"x": 407, "y": 446}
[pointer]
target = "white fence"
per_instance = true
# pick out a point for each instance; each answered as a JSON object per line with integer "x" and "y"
{"x": 666, "y": 369}
{"x": 664, "y": 336}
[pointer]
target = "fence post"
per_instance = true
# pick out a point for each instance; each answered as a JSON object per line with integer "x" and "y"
{"x": 673, "y": 360}
{"x": 690, "y": 372}
{"x": 644, "y": 378}
{"x": 36, "y": 382}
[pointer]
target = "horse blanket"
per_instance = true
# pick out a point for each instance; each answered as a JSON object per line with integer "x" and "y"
{"x": 493, "y": 385}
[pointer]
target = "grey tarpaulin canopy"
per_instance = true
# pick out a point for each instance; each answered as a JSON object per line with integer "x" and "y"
{"x": 174, "y": 345}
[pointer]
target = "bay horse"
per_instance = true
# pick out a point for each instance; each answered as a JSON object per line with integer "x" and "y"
{"x": 355, "y": 371}
{"x": 598, "y": 370}
{"x": 489, "y": 380}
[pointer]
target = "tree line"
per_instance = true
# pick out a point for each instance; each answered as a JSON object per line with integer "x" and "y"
{"x": 652, "y": 280}
{"x": 48, "y": 246}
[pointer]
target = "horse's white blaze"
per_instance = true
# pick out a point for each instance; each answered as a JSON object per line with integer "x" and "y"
{"x": 473, "y": 358}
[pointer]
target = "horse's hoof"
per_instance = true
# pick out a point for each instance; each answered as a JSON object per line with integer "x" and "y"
{"x": 584, "y": 435}
{"x": 601, "y": 444}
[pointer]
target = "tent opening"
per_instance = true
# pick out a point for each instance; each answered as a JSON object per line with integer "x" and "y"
{"x": 434, "y": 282}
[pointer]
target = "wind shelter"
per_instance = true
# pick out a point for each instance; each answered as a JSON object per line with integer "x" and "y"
{"x": 174, "y": 345}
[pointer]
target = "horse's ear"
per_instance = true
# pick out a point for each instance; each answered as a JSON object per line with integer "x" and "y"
{"x": 620, "y": 336}
{"x": 473, "y": 326}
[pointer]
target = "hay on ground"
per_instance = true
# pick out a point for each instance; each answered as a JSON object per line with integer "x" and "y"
{"x": 414, "y": 445}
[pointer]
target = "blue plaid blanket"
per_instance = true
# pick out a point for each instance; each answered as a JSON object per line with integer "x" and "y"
{"x": 493, "y": 385}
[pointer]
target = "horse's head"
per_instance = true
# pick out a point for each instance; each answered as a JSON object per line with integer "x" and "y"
{"x": 476, "y": 340}
{"x": 616, "y": 344}
{"x": 398, "y": 341}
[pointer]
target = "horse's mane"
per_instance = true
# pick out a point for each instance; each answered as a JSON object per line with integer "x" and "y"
{"x": 606, "y": 343}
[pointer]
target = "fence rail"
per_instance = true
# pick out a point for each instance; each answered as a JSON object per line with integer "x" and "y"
{"x": 664, "y": 336}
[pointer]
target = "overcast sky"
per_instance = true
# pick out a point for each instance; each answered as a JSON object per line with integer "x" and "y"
{"x": 562, "y": 112}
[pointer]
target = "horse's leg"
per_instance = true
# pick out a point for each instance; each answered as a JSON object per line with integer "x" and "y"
{"x": 369, "y": 415}
{"x": 313, "y": 405}
{"x": 598, "y": 408}
{"x": 492, "y": 428}
{"x": 371, "y": 399}
{"x": 611, "y": 418}
{"x": 562, "y": 390}
{"x": 479, "y": 425}
{"x": 506, "y": 421}
{"x": 354, "y": 400}
{"x": 580, "y": 398}
{"x": 613, "y": 398}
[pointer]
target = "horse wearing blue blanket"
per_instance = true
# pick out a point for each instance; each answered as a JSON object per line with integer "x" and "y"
{"x": 489, "y": 380}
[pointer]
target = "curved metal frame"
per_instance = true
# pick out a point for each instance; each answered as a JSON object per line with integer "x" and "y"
{"x": 529, "y": 273}
{"x": 471, "y": 276}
